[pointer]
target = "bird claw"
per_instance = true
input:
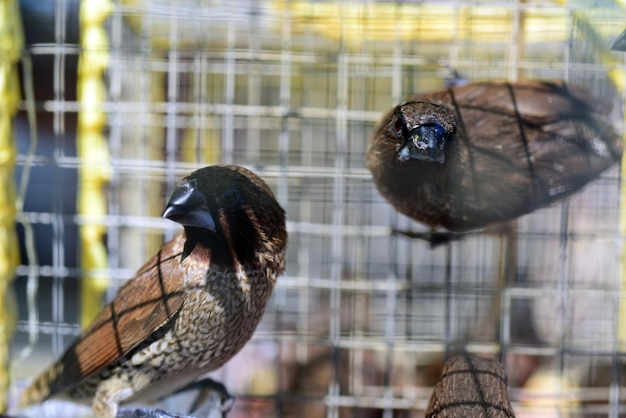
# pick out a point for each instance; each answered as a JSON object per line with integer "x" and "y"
{"x": 227, "y": 404}
{"x": 204, "y": 404}
{"x": 147, "y": 413}
{"x": 204, "y": 411}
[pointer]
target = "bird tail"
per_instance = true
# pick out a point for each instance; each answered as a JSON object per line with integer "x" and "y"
{"x": 40, "y": 388}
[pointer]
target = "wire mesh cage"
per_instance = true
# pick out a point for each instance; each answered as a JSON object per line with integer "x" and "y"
{"x": 362, "y": 320}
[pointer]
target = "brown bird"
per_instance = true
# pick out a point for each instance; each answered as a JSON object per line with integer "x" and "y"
{"x": 468, "y": 156}
{"x": 190, "y": 308}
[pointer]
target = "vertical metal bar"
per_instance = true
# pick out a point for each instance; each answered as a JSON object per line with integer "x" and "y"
{"x": 58, "y": 249}
{"x": 229, "y": 90}
{"x": 173, "y": 78}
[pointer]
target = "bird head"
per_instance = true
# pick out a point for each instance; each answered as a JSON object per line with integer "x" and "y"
{"x": 227, "y": 206}
{"x": 423, "y": 129}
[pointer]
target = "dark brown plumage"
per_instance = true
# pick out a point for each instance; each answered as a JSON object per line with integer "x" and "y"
{"x": 190, "y": 308}
{"x": 469, "y": 156}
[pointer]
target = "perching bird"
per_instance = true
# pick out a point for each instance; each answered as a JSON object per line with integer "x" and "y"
{"x": 190, "y": 308}
{"x": 469, "y": 156}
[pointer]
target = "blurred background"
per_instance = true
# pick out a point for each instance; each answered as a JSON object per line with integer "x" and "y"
{"x": 107, "y": 103}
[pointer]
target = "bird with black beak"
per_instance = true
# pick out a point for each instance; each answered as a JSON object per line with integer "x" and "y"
{"x": 190, "y": 308}
{"x": 470, "y": 156}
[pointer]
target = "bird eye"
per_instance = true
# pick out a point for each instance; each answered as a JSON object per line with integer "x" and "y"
{"x": 398, "y": 125}
{"x": 231, "y": 198}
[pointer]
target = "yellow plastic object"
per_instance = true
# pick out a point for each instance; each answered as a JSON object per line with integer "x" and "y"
{"x": 356, "y": 23}
{"x": 11, "y": 44}
{"x": 95, "y": 170}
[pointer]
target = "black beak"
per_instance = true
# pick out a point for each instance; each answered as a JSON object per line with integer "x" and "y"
{"x": 426, "y": 143}
{"x": 188, "y": 207}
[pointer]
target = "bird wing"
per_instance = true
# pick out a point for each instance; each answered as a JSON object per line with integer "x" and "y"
{"x": 552, "y": 138}
{"x": 146, "y": 304}
{"x": 534, "y": 100}
{"x": 529, "y": 143}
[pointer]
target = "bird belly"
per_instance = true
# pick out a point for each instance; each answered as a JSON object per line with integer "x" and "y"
{"x": 213, "y": 324}
{"x": 208, "y": 332}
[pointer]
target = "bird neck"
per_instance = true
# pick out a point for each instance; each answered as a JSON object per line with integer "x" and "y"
{"x": 226, "y": 251}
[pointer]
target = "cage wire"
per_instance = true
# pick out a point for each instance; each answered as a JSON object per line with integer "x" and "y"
{"x": 360, "y": 323}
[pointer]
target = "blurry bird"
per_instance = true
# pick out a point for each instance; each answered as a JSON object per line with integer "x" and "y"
{"x": 469, "y": 156}
{"x": 190, "y": 308}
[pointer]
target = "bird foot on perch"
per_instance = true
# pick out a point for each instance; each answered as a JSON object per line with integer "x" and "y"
{"x": 213, "y": 401}
{"x": 212, "y": 396}
{"x": 147, "y": 413}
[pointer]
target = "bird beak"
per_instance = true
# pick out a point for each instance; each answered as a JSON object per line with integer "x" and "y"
{"x": 188, "y": 207}
{"x": 426, "y": 143}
